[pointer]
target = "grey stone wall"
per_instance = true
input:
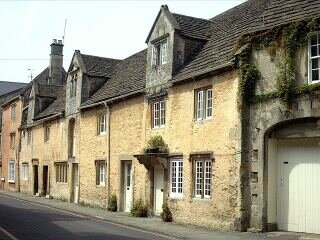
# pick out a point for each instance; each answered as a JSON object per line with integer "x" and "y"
{"x": 297, "y": 118}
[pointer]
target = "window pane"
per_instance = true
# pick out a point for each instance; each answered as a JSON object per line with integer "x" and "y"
{"x": 314, "y": 51}
{"x": 173, "y": 177}
{"x": 198, "y": 179}
{"x": 162, "y": 113}
{"x": 315, "y": 63}
{"x": 314, "y": 40}
{"x": 209, "y": 103}
{"x": 164, "y": 52}
{"x": 200, "y": 105}
{"x": 315, "y": 75}
{"x": 207, "y": 185}
{"x": 156, "y": 114}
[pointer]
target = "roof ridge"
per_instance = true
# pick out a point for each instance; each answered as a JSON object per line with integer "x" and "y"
{"x": 100, "y": 57}
{"x": 13, "y": 82}
{"x": 230, "y": 9}
{"x": 183, "y": 15}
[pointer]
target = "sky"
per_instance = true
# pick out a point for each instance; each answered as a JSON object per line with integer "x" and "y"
{"x": 114, "y": 29}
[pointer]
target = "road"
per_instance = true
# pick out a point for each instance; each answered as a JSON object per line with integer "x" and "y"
{"x": 23, "y": 220}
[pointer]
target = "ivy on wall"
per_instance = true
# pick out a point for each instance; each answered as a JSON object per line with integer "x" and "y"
{"x": 287, "y": 38}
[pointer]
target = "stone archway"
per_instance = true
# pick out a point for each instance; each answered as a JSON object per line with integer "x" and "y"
{"x": 290, "y": 148}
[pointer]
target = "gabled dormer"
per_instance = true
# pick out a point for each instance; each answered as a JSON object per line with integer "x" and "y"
{"x": 86, "y": 75}
{"x": 173, "y": 41}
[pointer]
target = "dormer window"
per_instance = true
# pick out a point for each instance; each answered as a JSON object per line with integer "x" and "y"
{"x": 160, "y": 53}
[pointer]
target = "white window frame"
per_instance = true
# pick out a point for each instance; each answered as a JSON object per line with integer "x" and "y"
{"x": 11, "y": 171}
{"x": 202, "y": 178}
{"x": 61, "y": 172}
{"x": 159, "y": 113}
{"x": 203, "y": 104}
{"x": 25, "y": 171}
{"x": 310, "y": 58}
{"x": 102, "y": 124}
{"x": 101, "y": 173}
{"x": 176, "y": 178}
{"x": 160, "y": 57}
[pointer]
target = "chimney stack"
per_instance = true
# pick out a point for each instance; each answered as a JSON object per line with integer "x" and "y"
{"x": 56, "y": 63}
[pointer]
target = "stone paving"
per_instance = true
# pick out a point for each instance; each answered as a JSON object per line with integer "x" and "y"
{"x": 154, "y": 224}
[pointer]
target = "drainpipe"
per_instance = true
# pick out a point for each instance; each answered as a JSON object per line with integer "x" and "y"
{"x": 109, "y": 152}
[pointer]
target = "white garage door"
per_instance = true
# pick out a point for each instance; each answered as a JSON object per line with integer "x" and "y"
{"x": 298, "y": 202}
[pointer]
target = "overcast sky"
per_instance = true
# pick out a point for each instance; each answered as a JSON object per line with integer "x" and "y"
{"x": 115, "y": 29}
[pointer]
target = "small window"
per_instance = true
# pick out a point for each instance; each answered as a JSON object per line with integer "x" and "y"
{"x": 102, "y": 124}
{"x": 12, "y": 140}
{"x": 25, "y": 172}
{"x": 176, "y": 178}
{"x": 73, "y": 85}
{"x": 314, "y": 59}
{"x": 100, "y": 173}
{"x": 202, "y": 168}
{"x": 29, "y": 134}
{"x": 46, "y": 133}
{"x": 158, "y": 113}
{"x": 11, "y": 172}
{"x": 160, "y": 53}
{"x": 13, "y": 111}
{"x": 61, "y": 172}
{"x": 203, "y": 104}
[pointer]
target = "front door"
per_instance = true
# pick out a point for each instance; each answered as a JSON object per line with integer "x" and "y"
{"x": 158, "y": 189}
{"x": 75, "y": 183}
{"x": 35, "y": 179}
{"x": 127, "y": 186}
{"x": 45, "y": 180}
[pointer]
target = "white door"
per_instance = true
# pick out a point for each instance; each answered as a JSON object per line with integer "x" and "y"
{"x": 128, "y": 186}
{"x": 298, "y": 186}
{"x": 75, "y": 183}
{"x": 158, "y": 189}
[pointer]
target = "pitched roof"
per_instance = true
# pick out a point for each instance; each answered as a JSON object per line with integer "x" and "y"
{"x": 283, "y": 11}
{"x": 58, "y": 105}
{"x": 226, "y": 29}
{"x": 6, "y": 87}
{"x": 99, "y": 66}
{"x": 193, "y": 27}
{"x": 128, "y": 77}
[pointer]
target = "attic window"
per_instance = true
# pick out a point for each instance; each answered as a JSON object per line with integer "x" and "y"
{"x": 160, "y": 53}
{"x": 73, "y": 85}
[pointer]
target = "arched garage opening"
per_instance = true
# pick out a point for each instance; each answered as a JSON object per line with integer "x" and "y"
{"x": 293, "y": 173}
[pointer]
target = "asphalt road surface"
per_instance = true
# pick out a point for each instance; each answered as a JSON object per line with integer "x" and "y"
{"x": 23, "y": 220}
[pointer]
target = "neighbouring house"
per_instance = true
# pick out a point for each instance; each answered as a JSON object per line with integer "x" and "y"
{"x": 42, "y": 127}
{"x": 8, "y": 90}
{"x": 86, "y": 75}
{"x": 218, "y": 118}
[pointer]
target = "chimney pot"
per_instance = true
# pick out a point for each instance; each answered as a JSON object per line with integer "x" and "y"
{"x": 59, "y": 41}
{"x": 54, "y": 40}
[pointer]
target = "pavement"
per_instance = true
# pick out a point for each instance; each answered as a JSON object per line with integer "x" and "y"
{"x": 153, "y": 224}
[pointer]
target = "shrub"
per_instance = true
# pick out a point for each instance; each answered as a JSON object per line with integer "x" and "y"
{"x": 112, "y": 203}
{"x": 156, "y": 143}
{"x": 166, "y": 214}
{"x": 139, "y": 209}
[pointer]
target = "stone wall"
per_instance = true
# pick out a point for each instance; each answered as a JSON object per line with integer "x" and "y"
{"x": 267, "y": 115}
{"x": 92, "y": 147}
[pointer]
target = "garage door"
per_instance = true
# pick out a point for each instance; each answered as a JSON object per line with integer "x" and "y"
{"x": 298, "y": 201}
